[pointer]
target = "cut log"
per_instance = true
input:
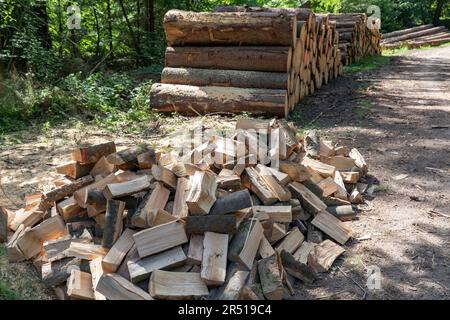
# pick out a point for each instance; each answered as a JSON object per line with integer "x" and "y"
{"x": 350, "y": 177}
{"x": 278, "y": 190}
{"x": 91, "y": 154}
{"x": 233, "y": 202}
{"x": 277, "y": 232}
{"x": 359, "y": 160}
{"x": 328, "y": 186}
{"x": 343, "y": 213}
{"x": 233, "y": 288}
{"x": 79, "y": 285}
{"x": 270, "y": 275}
{"x": 128, "y": 188}
{"x": 192, "y": 100}
{"x": 115, "y": 256}
{"x": 159, "y": 216}
{"x": 102, "y": 168}
{"x": 301, "y": 255}
{"x": 265, "y": 249}
{"x": 177, "y": 285}
{"x": 267, "y": 29}
{"x": 113, "y": 222}
{"x": 225, "y": 78}
{"x": 127, "y": 159}
{"x": 333, "y": 227}
{"x": 195, "y": 252}
{"x": 258, "y": 186}
{"x": 157, "y": 199}
{"x": 214, "y": 263}
{"x": 321, "y": 168}
{"x": 146, "y": 160}
{"x": 202, "y": 195}
{"x": 265, "y": 59}
{"x": 244, "y": 245}
{"x": 308, "y": 199}
{"x": 406, "y": 31}
{"x": 180, "y": 208}
{"x": 341, "y": 163}
{"x": 291, "y": 242}
{"x": 96, "y": 269}
{"x": 55, "y": 195}
{"x": 57, "y": 272}
{"x": 115, "y": 287}
{"x": 160, "y": 238}
{"x": 281, "y": 177}
{"x": 164, "y": 175}
{"x": 70, "y": 211}
{"x": 322, "y": 257}
{"x": 296, "y": 269}
{"x": 282, "y": 214}
{"x": 74, "y": 169}
{"x": 140, "y": 269}
{"x": 86, "y": 251}
{"x": 295, "y": 171}
{"x": 218, "y": 223}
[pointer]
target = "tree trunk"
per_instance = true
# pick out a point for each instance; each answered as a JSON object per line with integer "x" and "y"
{"x": 130, "y": 29}
{"x": 270, "y": 59}
{"x": 438, "y": 11}
{"x": 97, "y": 28}
{"x": 110, "y": 33}
{"x": 192, "y": 100}
{"x": 43, "y": 32}
{"x": 263, "y": 29}
{"x": 225, "y": 78}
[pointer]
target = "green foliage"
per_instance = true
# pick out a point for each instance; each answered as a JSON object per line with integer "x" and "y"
{"x": 7, "y": 293}
{"x": 367, "y": 64}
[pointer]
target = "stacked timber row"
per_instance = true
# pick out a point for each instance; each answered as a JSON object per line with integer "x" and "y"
{"x": 356, "y": 39}
{"x": 416, "y": 37}
{"x": 227, "y": 63}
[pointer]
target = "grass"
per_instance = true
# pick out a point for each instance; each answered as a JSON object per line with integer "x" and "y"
{"x": 367, "y": 64}
{"x": 6, "y": 293}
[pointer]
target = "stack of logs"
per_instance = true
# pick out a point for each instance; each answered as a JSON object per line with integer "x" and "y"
{"x": 426, "y": 35}
{"x": 356, "y": 39}
{"x": 141, "y": 224}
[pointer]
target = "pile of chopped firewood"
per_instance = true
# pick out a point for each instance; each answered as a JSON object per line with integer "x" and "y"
{"x": 232, "y": 218}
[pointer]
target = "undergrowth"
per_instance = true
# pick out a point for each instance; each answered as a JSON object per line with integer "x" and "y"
{"x": 367, "y": 64}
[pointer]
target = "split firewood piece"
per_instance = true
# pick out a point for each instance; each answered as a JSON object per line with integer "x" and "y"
{"x": 280, "y": 192}
{"x": 234, "y": 285}
{"x": 231, "y": 203}
{"x": 296, "y": 269}
{"x": 321, "y": 168}
{"x": 54, "y": 249}
{"x": 258, "y": 186}
{"x": 343, "y": 213}
{"x": 244, "y": 246}
{"x": 160, "y": 238}
{"x": 307, "y": 198}
{"x": 70, "y": 211}
{"x": 278, "y": 232}
{"x": 301, "y": 255}
{"x": 14, "y": 252}
{"x": 146, "y": 160}
{"x": 214, "y": 263}
{"x": 28, "y": 218}
{"x": 86, "y": 251}
{"x": 57, "y": 194}
{"x": 127, "y": 159}
{"x": 76, "y": 229}
{"x": 341, "y": 163}
{"x": 227, "y": 150}
{"x": 128, "y": 188}
{"x": 282, "y": 214}
{"x": 359, "y": 160}
{"x": 195, "y": 251}
{"x": 356, "y": 197}
{"x": 333, "y": 227}
{"x": 32, "y": 241}
{"x": 290, "y": 134}
{"x": 32, "y": 200}
{"x": 322, "y": 257}
{"x": 177, "y": 285}
{"x": 113, "y": 222}
{"x": 74, "y": 169}
{"x": 164, "y": 175}
{"x": 278, "y": 150}
{"x": 102, "y": 168}
{"x": 91, "y": 154}
{"x": 157, "y": 199}
{"x": 226, "y": 224}
{"x": 96, "y": 269}
{"x": 295, "y": 171}
{"x": 350, "y": 177}
{"x": 265, "y": 249}
{"x": 123, "y": 268}
{"x": 95, "y": 203}
{"x": 341, "y": 192}
{"x": 202, "y": 195}
{"x": 79, "y": 285}
{"x": 281, "y": 177}
{"x": 328, "y": 186}
{"x": 260, "y": 126}
{"x": 180, "y": 208}
{"x": 3, "y": 225}
{"x": 314, "y": 176}
{"x": 57, "y": 272}
{"x": 342, "y": 151}
{"x": 228, "y": 180}
{"x": 270, "y": 275}
{"x": 312, "y": 143}
{"x": 140, "y": 269}
{"x": 159, "y": 216}
{"x": 115, "y": 287}
{"x": 291, "y": 242}
{"x": 326, "y": 149}
{"x": 62, "y": 182}
{"x": 113, "y": 259}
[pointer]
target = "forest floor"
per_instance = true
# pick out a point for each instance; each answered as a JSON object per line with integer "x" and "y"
{"x": 398, "y": 117}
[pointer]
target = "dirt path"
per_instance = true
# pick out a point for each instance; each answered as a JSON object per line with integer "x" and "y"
{"x": 399, "y": 118}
